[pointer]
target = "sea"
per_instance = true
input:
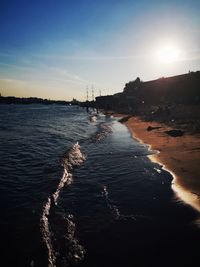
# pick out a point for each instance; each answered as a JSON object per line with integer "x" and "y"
{"x": 77, "y": 190}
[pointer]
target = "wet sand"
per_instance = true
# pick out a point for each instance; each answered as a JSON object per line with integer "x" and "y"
{"x": 179, "y": 155}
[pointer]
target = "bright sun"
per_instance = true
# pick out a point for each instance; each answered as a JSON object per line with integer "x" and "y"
{"x": 168, "y": 54}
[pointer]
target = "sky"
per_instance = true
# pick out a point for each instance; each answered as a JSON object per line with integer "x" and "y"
{"x": 55, "y": 49}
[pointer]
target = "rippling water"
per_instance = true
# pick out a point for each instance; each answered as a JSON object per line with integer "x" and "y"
{"x": 78, "y": 191}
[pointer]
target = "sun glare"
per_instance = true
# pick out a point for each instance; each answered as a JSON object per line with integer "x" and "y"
{"x": 168, "y": 54}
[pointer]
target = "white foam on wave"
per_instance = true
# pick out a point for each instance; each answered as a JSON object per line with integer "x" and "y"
{"x": 93, "y": 118}
{"x": 72, "y": 158}
{"x": 112, "y": 207}
{"x": 105, "y": 130}
{"x": 158, "y": 170}
{"x": 76, "y": 251}
{"x": 46, "y": 233}
{"x": 66, "y": 179}
{"x": 115, "y": 210}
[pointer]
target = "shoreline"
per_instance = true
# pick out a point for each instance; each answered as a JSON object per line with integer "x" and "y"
{"x": 177, "y": 155}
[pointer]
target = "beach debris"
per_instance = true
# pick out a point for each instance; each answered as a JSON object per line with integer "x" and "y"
{"x": 125, "y": 119}
{"x": 175, "y": 133}
{"x": 151, "y": 128}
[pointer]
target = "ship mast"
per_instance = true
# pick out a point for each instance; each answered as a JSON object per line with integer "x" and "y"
{"x": 92, "y": 93}
{"x": 87, "y": 94}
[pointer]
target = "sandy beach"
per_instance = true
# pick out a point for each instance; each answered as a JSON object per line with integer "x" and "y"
{"x": 179, "y": 155}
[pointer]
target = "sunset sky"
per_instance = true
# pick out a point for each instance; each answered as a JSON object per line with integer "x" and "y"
{"x": 55, "y": 48}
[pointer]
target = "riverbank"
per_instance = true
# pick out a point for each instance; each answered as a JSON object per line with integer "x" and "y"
{"x": 180, "y": 155}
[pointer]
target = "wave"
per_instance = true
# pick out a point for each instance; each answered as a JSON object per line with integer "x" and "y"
{"x": 72, "y": 158}
{"x": 113, "y": 208}
{"x": 103, "y": 131}
{"x": 93, "y": 118}
{"x": 116, "y": 212}
{"x": 70, "y": 250}
{"x": 46, "y": 233}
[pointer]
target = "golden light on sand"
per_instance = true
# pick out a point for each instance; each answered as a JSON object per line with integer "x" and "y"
{"x": 168, "y": 54}
{"x": 186, "y": 196}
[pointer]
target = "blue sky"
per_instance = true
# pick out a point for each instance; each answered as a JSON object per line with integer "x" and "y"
{"x": 55, "y": 49}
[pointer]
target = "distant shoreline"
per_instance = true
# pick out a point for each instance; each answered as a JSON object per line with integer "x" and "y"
{"x": 35, "y": 100}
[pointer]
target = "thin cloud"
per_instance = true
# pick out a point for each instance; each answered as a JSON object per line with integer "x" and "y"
{"x": 9, "y": 80}
{"x": 42, "y": 71}
{"x": 89, "y": 58}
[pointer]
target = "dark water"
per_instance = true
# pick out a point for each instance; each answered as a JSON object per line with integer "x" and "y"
{"x": 97, "y": 203}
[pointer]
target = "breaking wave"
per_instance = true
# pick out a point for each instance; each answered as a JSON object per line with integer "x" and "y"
{"x": 72, "y": 158}
{"x": 103, "y": 131}
{"x": 46, "y": 233}
{"x": 115, "y": 210}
